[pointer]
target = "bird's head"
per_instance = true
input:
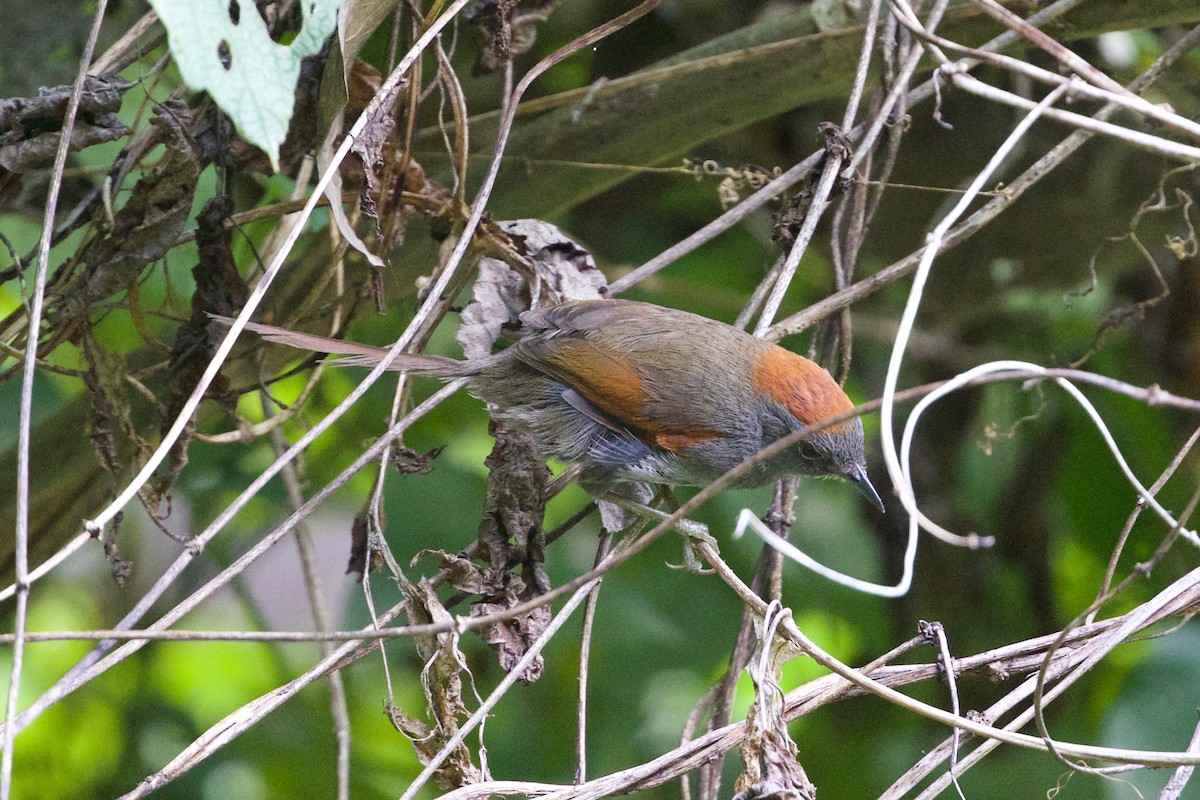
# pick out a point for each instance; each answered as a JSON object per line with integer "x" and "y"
{"x": 804, "y": 394}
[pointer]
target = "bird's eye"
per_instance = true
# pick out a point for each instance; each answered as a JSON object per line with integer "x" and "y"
{"x": 809, "y": 451}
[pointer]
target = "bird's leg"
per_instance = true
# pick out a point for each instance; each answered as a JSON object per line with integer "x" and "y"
{"x": 623, "y": 503}
{"x": 691, "y": 539}
{"x": 691, "y": 530}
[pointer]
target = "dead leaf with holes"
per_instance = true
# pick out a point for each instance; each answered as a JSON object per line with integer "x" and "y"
{"x": 560, "y": 268}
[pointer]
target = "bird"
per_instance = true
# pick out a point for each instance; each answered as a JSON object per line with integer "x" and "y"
{"x": 634, "y": 391}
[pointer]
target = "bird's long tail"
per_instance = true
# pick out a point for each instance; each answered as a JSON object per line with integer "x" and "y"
{"x": 360, "y": 355}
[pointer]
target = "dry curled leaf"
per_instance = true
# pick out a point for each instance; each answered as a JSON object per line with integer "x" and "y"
{"x": 781, "y": 776}
{"x": 111, "y": 428}
{"x": 375, "y": 146}
{"x": 771, "y": 770}
{"x": 363, "y": 556}
{"x": 511, "y": 536}
{"x": 146, "y": 227}
{"x": 562, "y": 270}
{"x": 442, "y": 682}
{"x": 507, "y": 28}
{"x": 119, "y": 568}
{"x": 791, "y": 216}
{"x": 497, "y": 300}
{"x": 371, "y": 144}
{"x": 510, "y": 533}
{"x": 516, "y": 498}
{"x": 220, "y": 291}
{"x": 409, "y": 462}
{"x": 109, "y": 414}
{"x": 511, "y": 638}
{"x": 461, "y": 573}
{"x": 614, "y": 518}
{"x": 30, "y": 127}
{"x": 499, "y": 590}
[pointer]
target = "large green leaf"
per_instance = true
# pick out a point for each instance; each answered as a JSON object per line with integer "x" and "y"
{"x": 223, "y": 47}
{"x": 660, "y": 113}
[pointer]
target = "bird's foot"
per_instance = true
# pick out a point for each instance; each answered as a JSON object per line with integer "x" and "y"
{"x": 693, "y": 532}
{"x": 694, "y": 535}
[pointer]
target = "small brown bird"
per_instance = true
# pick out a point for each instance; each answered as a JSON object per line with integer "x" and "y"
{"x": 638, "y": 392}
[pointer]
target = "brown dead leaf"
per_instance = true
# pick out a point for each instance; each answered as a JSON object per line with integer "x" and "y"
{"x": 118, "y": 445}
{"x": 771, "y": 770}
{"x": 108, "y": 420}
{"x": 360, "y": 543}
{"x": 780, "y": 775}
{"x": 511, "y": 638}
{"x": 615, "y": 518}
{"x": 497, "y": 300}
{"x": 363, "y": 81}
{"x": 442, "y": 682}
{"x": 146, "y": 227}
{"x": 507, "y": 28}
{"x": 511, "y": 537}
{"x": 562, "y": 270}
{"x": 30, "y": 127}
{"x": 376, "y": 134}
{"x": 510, "y": 534}
{"x": 220, "y": 291}
{"x": 461, "y": 573}
{"x": 409, "y": 462}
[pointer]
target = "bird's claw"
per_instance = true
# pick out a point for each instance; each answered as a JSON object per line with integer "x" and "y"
{"x": 694, "y": 534}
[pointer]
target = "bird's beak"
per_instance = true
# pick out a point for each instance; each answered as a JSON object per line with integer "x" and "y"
{"x": 858, "y": 476}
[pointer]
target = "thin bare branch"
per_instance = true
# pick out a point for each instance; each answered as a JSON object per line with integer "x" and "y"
{"x": 25, "y": 418}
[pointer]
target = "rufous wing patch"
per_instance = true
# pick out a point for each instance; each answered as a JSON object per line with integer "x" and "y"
{"x": 675, "y": 441}
{"x": 800, "y": 385}
{"x": 604, "y": 378}
{"x": 608, "y": 380}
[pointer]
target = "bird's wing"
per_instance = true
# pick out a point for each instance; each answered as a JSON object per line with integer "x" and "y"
{"x": 583, "y": 316}
{"x": 609, "y": 381}
{"x": 611, "y": 443}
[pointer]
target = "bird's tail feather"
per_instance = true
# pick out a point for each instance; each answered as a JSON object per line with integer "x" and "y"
{"x": 359, "y": 355}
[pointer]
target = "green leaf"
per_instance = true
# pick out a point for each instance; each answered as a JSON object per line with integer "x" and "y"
{"x": 223, "y": 47}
